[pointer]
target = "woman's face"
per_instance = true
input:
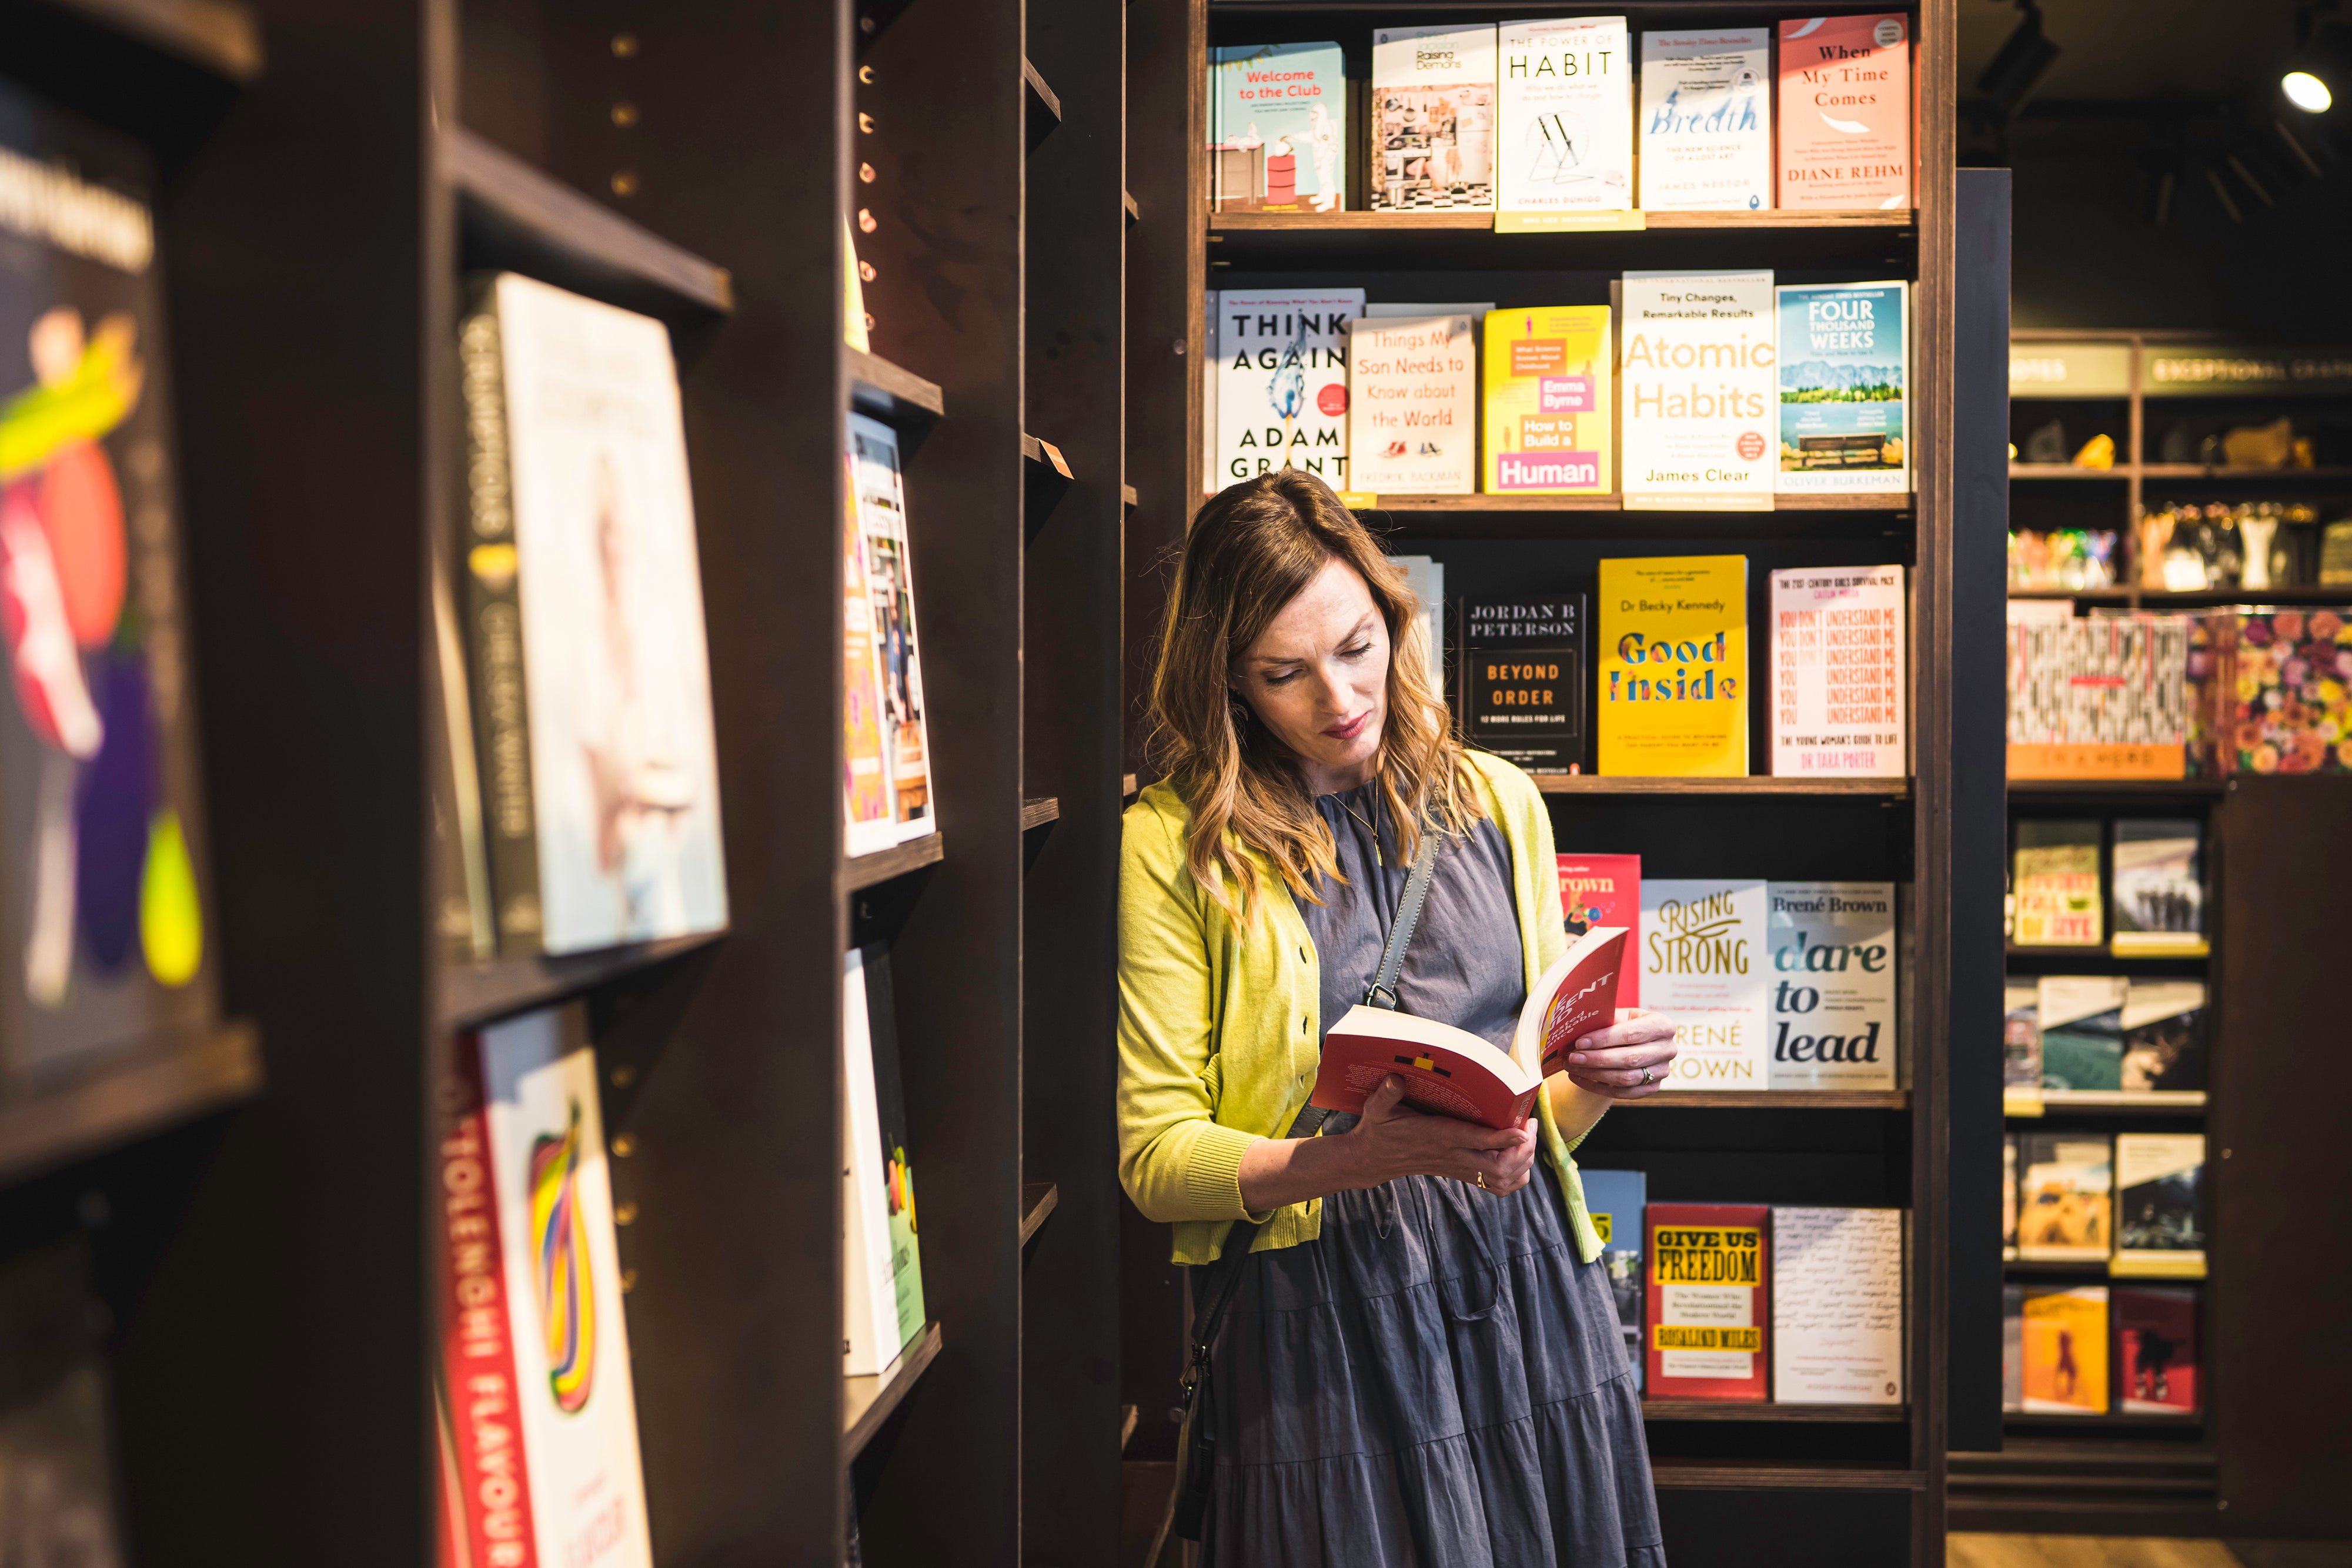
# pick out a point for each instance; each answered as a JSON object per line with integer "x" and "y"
{"x": 1318, "y": 678}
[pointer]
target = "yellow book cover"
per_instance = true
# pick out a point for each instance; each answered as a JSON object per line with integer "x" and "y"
{"x": 1673, "y": 666}
{"x": 1547, "y": 401}
{"x": 2065, "y": 1352}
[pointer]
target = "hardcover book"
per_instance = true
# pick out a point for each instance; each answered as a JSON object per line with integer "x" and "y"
{"x": 2160, "y": 1211}
{"x": 1704, "y": 965}
{"x": 1282, "y": 382}
{"x": 1563, "y": 120}
{"x": 2064, "y": 1352}
{"x": 1615, "y": 1200}
{"x": 2159, "y": 890}
{"x": 1425, "y": 575}
{"x": 1671, "y": 666}
{"x": 873, "y": 449}
{"x": 592, "y": 680}
{"x": 1699, "y": 391}
{"x": 2080, "y": 1019}
{"x": 1707, "y": 121}
{"x": 2259, "y": 707}
{"x": 1523, "y": 680}
{"x": 1845, "y": 113}
{"x": 2104, "y": 697}
{"x": 1709, "y": 1304}
{"x": 1837, "y": 1306}
{"x": 2164, "y": 1038}
{"x": 1605, "y": 889}
{"x": 2057, "y": 882}
{"x": 1838, "y": 673}
{"x": 1412, "y": 406}
{"x": 2020, "y": 1045}
{"x": 2156, "y": 1343}
{"x": 1832, "y": 984}
{"x": 1844, "y": 358}
{"x": 1433, "y": 119}
{"x": 2063, "y": 1198}
{"x": 1277, "y": 127}
{"x": 1547, "y": 401}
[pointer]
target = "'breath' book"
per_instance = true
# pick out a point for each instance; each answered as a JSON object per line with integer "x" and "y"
{"x": 1838, "y": 673}
{"x": 1449, "y": 1072}
{"x": 1710, "y": 1300}
{"x": 1844, "y": 365}
{"x": 2159, "y": 1210}
{"x": 1615, "y": 1200}
{"x": 1605, "y": 889}
{"x": 1704, "y": 965}
{"x": 1563, "y": 122}
{"x": 1845, "y": 113}
{"x": 1837, "y": 1306}
{"x": 1282, "y": 382}
{"x": 1671, "y": 666}
{"x": 1699, "y": 395}
{"x": 1833, "y": 959}
{"x": 1277, "y": 127}
{"x": 1547, "y": 400}
{"x": 1412, "y": 406}
{"x": 1433, "y": 119}
{"x": 1707, "y": 121}
{"x": 1523, "y": 681}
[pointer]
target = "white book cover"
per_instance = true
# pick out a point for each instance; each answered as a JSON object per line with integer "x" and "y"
{"x": 1477, "y": 312}
{"x": 1425, "y": 575}
{"x": 1698, "y": 390}
{"x": 1838, "y": 673}
{"x": 870, "y": 1342}
{"x": 890, "y": 581}
{"x": 1209, "y": 364}
{"x": 1833, "y": 983}
{"x": 1844, "y": 374}
{"x": 1412, "y": 406}
{"x": 1433, "y": 119}
{"x": 1564, "y": 116}
{"x": 1837, "y": 1306}
{"x": 1705, "y": 963}
{"x": 563, "y": 1273}
{"x": 1707, "y": 121}
{"x": 624, "y": 773}
{"x": 1282, "y": 382}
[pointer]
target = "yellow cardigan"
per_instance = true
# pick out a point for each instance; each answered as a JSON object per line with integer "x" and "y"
{"x": 1219, "y": 1035}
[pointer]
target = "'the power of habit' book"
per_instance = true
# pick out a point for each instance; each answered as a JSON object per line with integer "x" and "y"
{"x": 1844, "y": 368}
{"x": 1833, "y": 983}
{"x": 1839, "y": 673}
{"x": 1282, "y": 382}
{"x": 1605, "y": 889}
{"x": 1699, "y": 391}
{"x": 1277, "y": 127}
{"x": 1564, "y": 120}
{"x": 1671, "y": 666}
{"x": 1704, "y": 964}
{"x": 1706, "y": 120}
{"x": 1615, "y": 1201}
{"x": 592, "y": 685}
{"x": 1523, "y": 680}
{"x": 889, "y": 572}
{"x": 1837, "y": 1306}
{"x": 1433, "y": 119}
{"x": 1449, "y": 1072}
{"x": 1710, "y": 1300}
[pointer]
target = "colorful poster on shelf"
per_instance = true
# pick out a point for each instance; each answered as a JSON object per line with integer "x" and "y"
{"x": 1845, "y": 367}
{"x": 1700, "y": 394}
{"x": 1845, "y": 113}
{"x": 1706, "y": 120}
{"x": 1547, "y": 400}
{"x": 1563, "y": 124}
{"x": 1433, "y": 119}
{"x": 1277, "y": 127}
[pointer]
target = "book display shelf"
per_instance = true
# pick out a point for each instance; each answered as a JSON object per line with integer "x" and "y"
{"x": 1832, "y": 1483}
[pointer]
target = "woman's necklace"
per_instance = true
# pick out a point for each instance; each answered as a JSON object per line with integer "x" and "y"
{"x": 1378, "y": 859}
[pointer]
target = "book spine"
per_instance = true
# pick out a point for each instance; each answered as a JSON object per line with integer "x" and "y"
{"x": 494, "y": 625}
{"x": 483, "y": 1425}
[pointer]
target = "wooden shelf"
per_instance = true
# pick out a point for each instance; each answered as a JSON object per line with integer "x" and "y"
{"x": 2012, "y": 950}
{"x": 1045, "y": 455}
{"x": 2126, "y": 787}
{"x": 2039, "y": 1267}
{"x": 1754, "y": 785}
{"x": 125, "y": 1093}
{"x": 1040, "y": 95}
{"x": 1380, "y": 222}
{"x": 1127, "y": 1420}
{"x": 1038, "y": 810}
{"x": 1614, "y": 501}
{"x": 2177, "y": 1103}
{"x": 538, "y": 222}
{"x": 1775, "y": 1100}
{"x": 868, "y": 1402}
{"x": 1770, "y": 1476}
{"x": 2067, "y": 471}
{"x": 475, "y": 994}
{"x": 1134, "y": 212}
{"x": 1747, "y": 1410}
{"x": 2191, "y": 598}
{"x": 881, "y": 389}
{"x": 866, "y": 871}
{"x": 1038, "y": 1201}
{"x": 1248, "y": 242}
{"x": 219, "y": 37}
{"x": 2039, "y": 1421}
{"x": 2225, "y": 470}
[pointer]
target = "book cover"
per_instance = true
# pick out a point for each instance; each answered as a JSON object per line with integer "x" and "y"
{"x": 608, "y": 586}
{"x": 574, "y": 1404}
{"x": 1282, "y": 382}
{"x": 1709, "y": 1304}
{"x": 1605, "y": 889}
{"x": 1477, "y": 310}
{"x": 1671, "y": 666}
{"x": 870, "y": 1335}
{"x": 2063, "y": 1350}
{"x": 1277, "y": 127}
{"x": 1547, "y": 401}
{"x": 867, "y": 801}
{"x": 1433, "y": 119}
{"x": 1563, "y": 119}
{"x": 1699, "y": 391}
{"x": 2057, "y": 881}
{"x": 2012, "y": 1348}
{"x": 2009, "y": 1197}
{"x": 1707, "y": 121}
{"x": 2159, "y": 1207}
{"x": 1212, "y": 371}
{"x": 2164, "y": 1037}
{"x": 1523, "y": 680}
{"x": 1614, "y": 1200}
{"x": 1837, "y": 1306}
{"x": 1832, "y": 984}
{"x": 2104, "y": 697}
{"x": 1844, "y": 359}
{"x": 2081, "y": 1018}
{"x": 898, "y": 1164}
{"x": 1412, "y": 406}
{"x": 1425, "y": 575}
{"x": 1845, "y": 113}
{"x": 1705, "y": 965}
{"x": 2156, "y": 1343}
{"x": 104, "y": 886}
{"x": 1838, "y": 673}
{"x": 2264, "y": 707}
{"x": 2021, "y": 1044}
{"x": 2158, "y": 887}
{"x": 2064, "y": 1197}
{"x": 873, "y": 450}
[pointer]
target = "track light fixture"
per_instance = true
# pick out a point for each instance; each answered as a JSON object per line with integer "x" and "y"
{"x": 2021, "y": 65}
{"x": 2321, "y": 70}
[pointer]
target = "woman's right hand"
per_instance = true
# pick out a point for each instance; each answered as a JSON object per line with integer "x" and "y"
{"x": 1390, "y": 1139}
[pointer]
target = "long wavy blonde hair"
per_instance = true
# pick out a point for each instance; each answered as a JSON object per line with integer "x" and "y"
{"x": 1253, "y": 549}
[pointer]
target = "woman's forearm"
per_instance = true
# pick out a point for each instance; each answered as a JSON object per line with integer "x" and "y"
{"x": 1279, "y": 1171}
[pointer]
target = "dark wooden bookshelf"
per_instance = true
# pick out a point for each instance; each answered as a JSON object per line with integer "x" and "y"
{"x": 214, "y": 34}
{"x": 1038, "y": 810}
{"x": 1038, "y": 1201}
{"x": 1042, "y": 97}
{"x": 124, "y": 1093}
{"x": 872, "y": 870}
{"x": 886, "y": 391}
{"x": 472, "y": 995}
{"x": 1759, "y": 1475}
{"x": 2102, "y": 1109}
{"x": 1766, "y": 1410}
{"x": 868, "y": 1401}
{"x": 1754, "y": 785}
{"x": 2111, "y": 1421}
{"x": 1373, "y": 225}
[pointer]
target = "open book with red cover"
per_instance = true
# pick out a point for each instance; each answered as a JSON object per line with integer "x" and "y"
{"x": 1449, "y": 1072}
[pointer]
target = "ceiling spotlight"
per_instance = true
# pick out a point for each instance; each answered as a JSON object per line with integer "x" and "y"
{"x": 2306, "y": 92}
{"x": 2322, "y": 66}
{"x": 2022, "y": 64}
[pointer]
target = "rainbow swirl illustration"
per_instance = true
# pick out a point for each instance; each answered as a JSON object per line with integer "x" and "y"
{"x": 561, "y": 1278}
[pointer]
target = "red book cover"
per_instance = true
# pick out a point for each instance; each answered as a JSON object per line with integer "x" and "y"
{"x": 2156, "y": 1331}
{"x": 1447, "y": 1072}
{"x": 1582, "y": 986}
{"x": 1605, "y": 889}
{"x": 484, "y": 1421}
{"x": 1710, "y": 1313}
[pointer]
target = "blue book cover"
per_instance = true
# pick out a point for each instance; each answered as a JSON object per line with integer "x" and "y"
{"x": 1277, "y": 127}
{"x": 1844, "y": 361}
{"x": 1615, "y": 1199}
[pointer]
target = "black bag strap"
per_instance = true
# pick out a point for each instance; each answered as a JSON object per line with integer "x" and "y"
{"x": 1382, "y": 993}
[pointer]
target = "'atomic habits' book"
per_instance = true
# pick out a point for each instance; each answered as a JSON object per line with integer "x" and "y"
{"x": 1699, "y": 395}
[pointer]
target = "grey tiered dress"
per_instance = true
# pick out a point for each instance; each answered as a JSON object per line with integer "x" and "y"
{"x": 1436, "y": 1381}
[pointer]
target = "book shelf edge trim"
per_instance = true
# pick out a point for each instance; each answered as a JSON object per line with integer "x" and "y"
{"x": 477, "y": 994}
{"x": 889, "y": 1390}
{"x": 140, "y": 1093}
{"x": 860, "y": 872}
{"x": 222, "y": 38}
{"x": 1035, "y": 1209}
{"x": 887, "y": 390}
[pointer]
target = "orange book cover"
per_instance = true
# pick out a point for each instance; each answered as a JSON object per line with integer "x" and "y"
{"x": 1845, "y": 113}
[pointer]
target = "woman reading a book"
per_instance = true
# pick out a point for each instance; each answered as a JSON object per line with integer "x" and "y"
{"x": 1418, "y": 1360}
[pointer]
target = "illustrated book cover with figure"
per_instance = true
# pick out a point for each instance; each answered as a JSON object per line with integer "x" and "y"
{"x": 2164, "y": 1024}
{"x": 104, "y": 926}
{"x": 2063, "y": 1349}
{"x": 1709, "y": 1309}
{"x": 2064, "y": 1197}
{"x": 2158, "y": 887}
{"x": 2159, "y": 1206}
{"x": 1837, "y": 1306}
{"x": 1615, "y": 1201}
{"x": 1563, "y": 120}
{"x": 1548, "y": 405}
{"x": 1706, "y": 120}
{"x": 2156, "y": 1350}
{"x": 1277, "y": 127}
{"x": 1282, "y": 382}
{"x": 1605, "y": 890}
{"x": 1433, "y": 119}
{"x": 889, "y": 563}
{"x": 584, "y": 602}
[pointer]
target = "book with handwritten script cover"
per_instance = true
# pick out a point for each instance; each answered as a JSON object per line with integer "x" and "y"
{"x": 1837, "y": 1306}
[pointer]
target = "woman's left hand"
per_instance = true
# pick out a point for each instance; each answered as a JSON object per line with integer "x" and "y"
{"x": 1629, "y": 1059}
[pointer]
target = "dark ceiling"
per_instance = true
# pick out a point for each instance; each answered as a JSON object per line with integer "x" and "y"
{"x": 2127, "y": 49}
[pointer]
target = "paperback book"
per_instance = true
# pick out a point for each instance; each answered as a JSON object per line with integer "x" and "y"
{"x": 2104, "y": 696}
{"x": 1605, "y": 889}
{"x": 890, "y": 591}
{"x": 1523, "y": 680}
{"x": 1837, "y": 1306}
{"x": 882, "y": 1274}
{"x": 1845, "y": 113}
{"x": 1710, "y": 1300}
{"x": 1699, "y": 391}
{"x": 1425, "y": 575}
{"x": 1838, "y": 673}
{"x": 2080, "y": 1019}
{"x": 1703, "y": 965}
{"x": 1412, "y": 406}
{"x": 2064, "y": 1198}
{"x": 1844, "y": 358}
{"x": 2164, "y": 1038}
{"x": 2064, "y": 1352}
{"x": 2057, "y": 884}
{"x": 1832, "y": 984}
{"x": 1707, "y": 121}
{"x": 1671, "y": 666}
{"x": 1615, "y": 1201}
{"x": 2021, "y": 1046}
{"x": 1282, "y": 382}
{"x": 2009, "y": 1197}
{"x": 1433, "y": 119}
{"x": 2157, "y": 890}
{"x": 868, "y": 802}
{"x": 1564, "y": 122}
{"x": 1277, "y": 127}
{"x": 1547, "y": 401}
{"x": 2156, "y": 1342}
{"x": 2160, "y": 1211}
{"x": 2012, "y": 1348}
